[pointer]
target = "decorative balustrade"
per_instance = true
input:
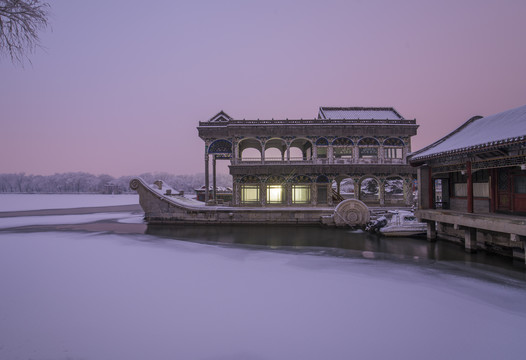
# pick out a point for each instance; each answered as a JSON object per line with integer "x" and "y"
{"x": 320, "y": 161}
{"x": 308, "y": 122}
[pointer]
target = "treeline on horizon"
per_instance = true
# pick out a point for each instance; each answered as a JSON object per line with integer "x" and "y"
{"x": 81, "y": 182}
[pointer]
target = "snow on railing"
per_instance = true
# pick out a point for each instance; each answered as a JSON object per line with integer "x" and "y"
{"x": 309, "y": 121}
{"x": 302, "y": 161}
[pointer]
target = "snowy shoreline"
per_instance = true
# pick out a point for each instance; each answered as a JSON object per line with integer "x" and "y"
{"x": 23, "y": 202}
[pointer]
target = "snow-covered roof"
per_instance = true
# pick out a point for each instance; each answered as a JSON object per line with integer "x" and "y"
{"x": 361, "y": 113}
{"x": 479, "y": 132}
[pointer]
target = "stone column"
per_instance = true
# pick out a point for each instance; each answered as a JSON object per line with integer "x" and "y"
{"x": 262, "y": 152}
{"x": 330, "y": 154}
{"x": 207, "y": 180}
{"x": 407, "y": 191}
{"x": 263, "y": 194}
{"x": 288, "y": 187}
{"x": 470, "y": 239}
{"x": 238, "y": 194}
{"x": 214, "y": 182}
{"x": 330, "y": 201}
{"x": 356, "y": 182}
{"x": 381, "y": 155}
{"x": 235, "y": 156}
{"x": 431, "y": 231}
{"x": 235, "y": 197}
{"x": 381, "y": 184}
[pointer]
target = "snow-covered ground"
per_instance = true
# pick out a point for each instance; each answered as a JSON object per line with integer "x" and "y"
{"x": 18, "y": 202}
{"x": 72, "y": 295}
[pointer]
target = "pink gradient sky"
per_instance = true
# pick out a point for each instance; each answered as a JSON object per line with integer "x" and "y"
{"x": 121, "y": 85}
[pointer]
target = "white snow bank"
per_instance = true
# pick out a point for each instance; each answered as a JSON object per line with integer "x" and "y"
{"x": 19, "y": 202}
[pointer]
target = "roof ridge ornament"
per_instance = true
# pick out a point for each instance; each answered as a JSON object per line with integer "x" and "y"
{"x": 221, "y": 117}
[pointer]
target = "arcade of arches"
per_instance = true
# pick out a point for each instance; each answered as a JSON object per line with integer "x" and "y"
{"x": 316, "y": 162}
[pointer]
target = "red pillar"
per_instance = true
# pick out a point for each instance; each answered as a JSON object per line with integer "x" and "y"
{"x": 493, "y": 190}
{"x": 431, "y": 193}
{"x": 470, "y": 187}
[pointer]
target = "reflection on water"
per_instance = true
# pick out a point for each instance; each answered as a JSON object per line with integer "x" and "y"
{"x": 341, "y": 243}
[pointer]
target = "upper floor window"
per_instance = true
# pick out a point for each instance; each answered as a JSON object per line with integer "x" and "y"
{"x": 393, "y": 148}
{"x": 393, "y": 153}
{"x": 342, "y": 147}
{"x": 368, "y": 148}
{"x": 322, "y": 144}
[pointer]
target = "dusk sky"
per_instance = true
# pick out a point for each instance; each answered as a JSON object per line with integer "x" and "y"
{"x": 120, "y": 86}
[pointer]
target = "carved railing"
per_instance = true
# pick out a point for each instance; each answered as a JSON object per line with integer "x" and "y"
{"x": 320, "y": 161}
{"x": 309, "y": 122}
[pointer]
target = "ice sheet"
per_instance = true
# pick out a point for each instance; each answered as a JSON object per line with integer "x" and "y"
{"x": 78, "y": 296}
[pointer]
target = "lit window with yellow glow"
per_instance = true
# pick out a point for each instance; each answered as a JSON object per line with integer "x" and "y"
{"x": 274, "y": 194}
{"x": 250, "y": 193}
{"x": 300, "y": 194}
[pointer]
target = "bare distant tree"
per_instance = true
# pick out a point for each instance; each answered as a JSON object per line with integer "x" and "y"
{"x": 20, "y": 23}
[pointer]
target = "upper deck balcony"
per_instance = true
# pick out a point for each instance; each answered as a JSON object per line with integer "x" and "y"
{"x": 319, "y": 161}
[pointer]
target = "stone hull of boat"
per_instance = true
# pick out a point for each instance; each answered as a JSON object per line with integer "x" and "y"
{"x": 160, "y": 208}
{"x": 401, "y": 231}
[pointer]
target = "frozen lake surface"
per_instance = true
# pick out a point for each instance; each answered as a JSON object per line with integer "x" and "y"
{"x": 173, "y": 294}
{"x": 19, "y": 202}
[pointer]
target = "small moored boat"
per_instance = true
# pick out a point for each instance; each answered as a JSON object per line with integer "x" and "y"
{"x": 403, "y": 223}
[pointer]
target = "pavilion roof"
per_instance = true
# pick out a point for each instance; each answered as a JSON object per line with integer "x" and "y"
{"x": 359, "y": 113}
{"x": 478, "y": 133}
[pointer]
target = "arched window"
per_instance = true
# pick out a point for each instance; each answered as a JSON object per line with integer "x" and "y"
{"x": 275, "y": 149}
{"x": 322, "y": 144}
{"x": 250, "y": 149}
{"x": 322, "y": 179}
{"x": 342, "y": 148}
{"x": 220, "y": 146}
{"x": 368, "y": 148}
{"x": 300, "y": 149}
{"x": 369, "y": 190}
